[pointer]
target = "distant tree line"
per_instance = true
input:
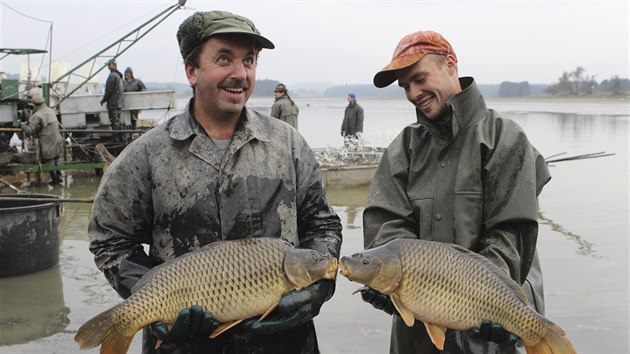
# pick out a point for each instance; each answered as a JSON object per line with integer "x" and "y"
{"x": 577, "y": 82}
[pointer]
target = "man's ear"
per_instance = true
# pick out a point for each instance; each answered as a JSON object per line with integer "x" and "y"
{"x": 451, "y": 64}
{"x": 191, "y": 74}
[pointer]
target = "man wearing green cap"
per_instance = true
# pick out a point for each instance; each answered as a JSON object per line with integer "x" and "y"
{"x": 461, "y": 174}
{"x": 284, "y": 108}
{"x": 218, "y": 171}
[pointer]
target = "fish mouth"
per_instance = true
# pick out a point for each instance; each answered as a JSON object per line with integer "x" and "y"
{"x": 343, "y": 268}
{"x": 331, "y": 272}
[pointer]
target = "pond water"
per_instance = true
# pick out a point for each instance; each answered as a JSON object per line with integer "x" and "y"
{"x": 583, "y": 240}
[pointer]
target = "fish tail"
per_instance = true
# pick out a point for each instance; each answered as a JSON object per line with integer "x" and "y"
{"x": 101, "y": 330}
{"x": 553, "y": 342}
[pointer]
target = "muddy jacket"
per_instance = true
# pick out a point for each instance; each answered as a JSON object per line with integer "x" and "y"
{"x": 473, "y": 182}
{"x": 44, "y": 126}
{"x": 285, "y": 110}
{"x": 173, "y": 190}
{"x": 352, "y": 120}
{"x": 113, "y": 90}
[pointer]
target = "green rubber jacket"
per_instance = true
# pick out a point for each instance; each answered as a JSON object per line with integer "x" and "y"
{"x": 472, "y": 182}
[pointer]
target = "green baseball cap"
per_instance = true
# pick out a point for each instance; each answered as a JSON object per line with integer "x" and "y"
{"x": 201, "y": 25}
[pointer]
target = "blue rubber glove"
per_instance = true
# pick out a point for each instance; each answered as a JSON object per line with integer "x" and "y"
{"x": 294, "y": 309}
{"x": 191, "y": 321}
{"x": 493, "y": 332}
{"x": 378, "y": 300}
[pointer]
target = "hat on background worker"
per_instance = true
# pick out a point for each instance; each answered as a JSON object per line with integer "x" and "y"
{"x": 280, "y": 88}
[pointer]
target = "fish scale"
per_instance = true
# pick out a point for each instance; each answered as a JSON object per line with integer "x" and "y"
{"x": 447, "y": 286}
{"x": 463, "y": 280}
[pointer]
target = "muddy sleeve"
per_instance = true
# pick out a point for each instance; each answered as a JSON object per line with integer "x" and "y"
{"x": 120, "y": 222}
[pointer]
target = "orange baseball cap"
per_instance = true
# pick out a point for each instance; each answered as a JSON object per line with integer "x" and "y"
{"x": 409, "y": 50}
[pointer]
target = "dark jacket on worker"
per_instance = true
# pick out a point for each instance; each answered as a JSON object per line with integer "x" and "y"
{"x": 44, "y": 126}
{"x": 474, "y": 182}
{"x": 113, "y": 90}
{"x": 134, "y": 85}
{"x": 173, "y": 190}
{"x": 352, "y": 120}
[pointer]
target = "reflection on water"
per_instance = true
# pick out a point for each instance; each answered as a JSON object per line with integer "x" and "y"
{"x": 583, "y": 212}
{"x": 32, "y": 307}
{"x": 584, "y": 247}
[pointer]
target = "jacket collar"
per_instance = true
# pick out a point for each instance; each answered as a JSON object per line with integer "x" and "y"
{"x": 466, "y": 107}
{"x": 184, "y": 126}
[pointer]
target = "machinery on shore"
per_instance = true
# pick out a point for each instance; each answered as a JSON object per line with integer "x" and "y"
{"x": 74, "y": 96}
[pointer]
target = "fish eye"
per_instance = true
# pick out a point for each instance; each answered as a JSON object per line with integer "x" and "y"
{"x": 314, "y": 256}
{"x": 366, "y": 261}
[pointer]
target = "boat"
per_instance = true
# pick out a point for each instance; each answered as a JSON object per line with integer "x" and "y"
{"x": 348, "y": 166}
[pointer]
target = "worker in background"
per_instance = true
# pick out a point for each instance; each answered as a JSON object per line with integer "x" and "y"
{"x": 131, "y": 84}
{"x": 43, "y": 126}
{"x": 284, "y": 108}
{"x": 352, "y": 126}
{"x": 113, "y": 96}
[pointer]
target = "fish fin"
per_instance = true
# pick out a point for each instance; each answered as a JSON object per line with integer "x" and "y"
{"x": 262, "y": 317}
{"x": 552, "y": 342}
{"x": 437, "y": 334}
{"x": 503, "y": 275}
{"x": 224, "y": 327}
{"x": 101, "y": 330}
{"x": 406, "y": 315}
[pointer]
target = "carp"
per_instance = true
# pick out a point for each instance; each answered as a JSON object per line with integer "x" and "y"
{"x": 232, "y": 280}
{"x": 447, "y": 286}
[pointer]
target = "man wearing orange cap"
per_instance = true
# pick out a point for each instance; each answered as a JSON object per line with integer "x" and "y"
{"x": 461, "y": 174}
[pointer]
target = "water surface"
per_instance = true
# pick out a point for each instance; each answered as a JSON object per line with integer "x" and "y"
{"x": 583, "y": 239}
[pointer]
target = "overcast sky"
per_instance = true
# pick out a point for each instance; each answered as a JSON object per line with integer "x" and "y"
{"x": 343, "y": 41}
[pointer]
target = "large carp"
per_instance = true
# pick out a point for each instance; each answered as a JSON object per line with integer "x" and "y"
{"x": 232, "y": 280}
{"x": 447, "y": 286}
